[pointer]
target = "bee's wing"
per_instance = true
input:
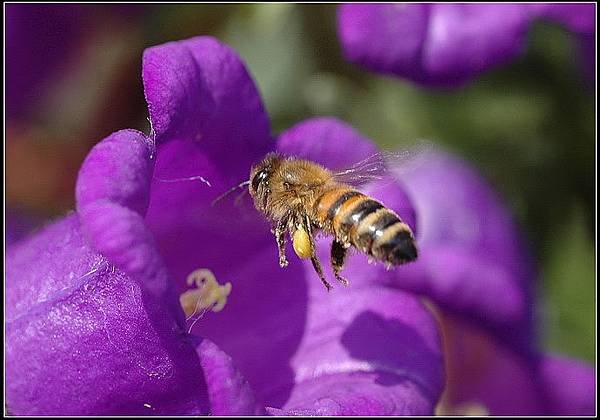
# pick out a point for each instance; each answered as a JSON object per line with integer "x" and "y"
{"x": 378, "y": 165}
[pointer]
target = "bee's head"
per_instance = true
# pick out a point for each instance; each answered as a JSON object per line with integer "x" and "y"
{"x": 260, "y": 174}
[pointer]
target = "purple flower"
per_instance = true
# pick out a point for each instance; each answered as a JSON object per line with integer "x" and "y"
{"x": 474, "y": 259}
{"x": 487, "y": 375}
{"x": 446, "y": 45}
{"x": 94, "y": 324}
{"x": 476, "y": 268}
{"x": 473, "y": 263}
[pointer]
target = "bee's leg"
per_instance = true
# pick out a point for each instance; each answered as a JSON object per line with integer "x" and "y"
{"x": 315, "y": 261}
{"x": 280, "y": 237}
{"x": 338, "y": 257}
{"x": 317, "y": 265}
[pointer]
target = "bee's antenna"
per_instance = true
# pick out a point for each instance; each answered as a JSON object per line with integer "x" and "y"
{"x": 226, "y": 193}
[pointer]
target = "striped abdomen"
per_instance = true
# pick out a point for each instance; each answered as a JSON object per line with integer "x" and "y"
{"x": 366, "y": 224}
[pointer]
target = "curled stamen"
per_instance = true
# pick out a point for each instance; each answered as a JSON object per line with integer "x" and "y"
{"x": 207, "y": 294}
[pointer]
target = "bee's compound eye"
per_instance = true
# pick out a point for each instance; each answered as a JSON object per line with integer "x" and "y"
{"x": 258, "y": 178}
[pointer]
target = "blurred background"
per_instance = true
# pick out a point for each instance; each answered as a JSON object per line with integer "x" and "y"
{"x": 73, "y": 76}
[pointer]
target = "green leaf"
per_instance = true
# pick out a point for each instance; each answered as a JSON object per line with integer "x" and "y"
{"x": 568, "y": 289}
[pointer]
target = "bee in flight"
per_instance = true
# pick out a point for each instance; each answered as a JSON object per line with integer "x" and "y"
{"x": 302, "y": 197}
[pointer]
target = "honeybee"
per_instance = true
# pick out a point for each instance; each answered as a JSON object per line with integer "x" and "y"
{"x": 302, "y": 197}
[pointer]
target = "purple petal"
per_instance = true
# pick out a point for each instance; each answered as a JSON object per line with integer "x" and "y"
{"x": 357, "y": 394}
{"x": 577, "y": 17}
{"x": 488, "y": 375}
{"x": 263, "y": 321}
{"x": 569, "y": 385}
{"x": 434, "y": 44}
{"x": 210, "y": 127}
{"x": 198, "y": 90}
{"x": 465, "y": 40}
{"x": 456, "y": 205}
{"x": 446, "y": 45}
{"x": 123, "y": 237}
{"x": 28, "y": 285}
{"x": 181, "y": 200}
{"x": 229, "y": 393}
{"x": 467, "y": 283}
{"x": 112, "y": 196}
{"x": 470, "y": 245}
{"x": 118, "y": 169}
{"x": 402, "y": 371}
{"x": 387, "y": 38}
{"x": 380, "y": 346}
{"x": 118, "y": 349}
{"x": 323, "y": 139}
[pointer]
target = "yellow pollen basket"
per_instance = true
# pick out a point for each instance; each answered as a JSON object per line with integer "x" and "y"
{"x": 207, "y": 294}
{"x": 302, "y": 244}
